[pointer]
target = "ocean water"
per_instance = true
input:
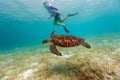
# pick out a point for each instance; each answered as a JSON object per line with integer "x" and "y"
{"x": 24, "y": 25}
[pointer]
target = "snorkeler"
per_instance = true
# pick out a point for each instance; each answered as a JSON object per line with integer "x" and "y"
{"x": 56, "y": 14}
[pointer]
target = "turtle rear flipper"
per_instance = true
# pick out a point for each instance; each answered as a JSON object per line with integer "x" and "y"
{"x": 54, "y": 50}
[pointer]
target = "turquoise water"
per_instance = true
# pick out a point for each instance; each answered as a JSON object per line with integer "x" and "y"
{"x": 25, "y": 23}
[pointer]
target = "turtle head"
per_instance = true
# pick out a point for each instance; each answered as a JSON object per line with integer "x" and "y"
{"x": 86, "y": 45}
{"x": 46, "y": 41}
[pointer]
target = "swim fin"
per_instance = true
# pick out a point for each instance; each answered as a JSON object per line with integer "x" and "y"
{"x": 66, "y": 30}
{"x": 73, "y": 14}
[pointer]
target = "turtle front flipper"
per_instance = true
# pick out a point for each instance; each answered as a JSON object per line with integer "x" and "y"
{"x": 53, "y": 34}
{"x": 54, "y": 50}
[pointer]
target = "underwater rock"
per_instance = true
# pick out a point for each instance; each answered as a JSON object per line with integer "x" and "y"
{"x": 10, "y": 61}
{"x": 34, "y": 64}
{"x": 108, "y": 77}
{"x": 67, "y": 56}
{"x": 118, "y": 73}
{"x": 27, "y": 73}
{"x": 117, "y": 50}
{"x": 108, "y": 59}
{"x": 55, "y": 66}
{"x": 5, "y": 78}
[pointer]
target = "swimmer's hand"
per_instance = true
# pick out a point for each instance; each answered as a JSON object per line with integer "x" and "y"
{"x": 50, "y": 16}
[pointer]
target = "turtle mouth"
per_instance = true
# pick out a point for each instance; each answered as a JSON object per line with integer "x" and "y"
{"x": 88, "y": 46}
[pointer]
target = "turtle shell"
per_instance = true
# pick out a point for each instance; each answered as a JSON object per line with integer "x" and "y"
{"x": 67, "y": 41}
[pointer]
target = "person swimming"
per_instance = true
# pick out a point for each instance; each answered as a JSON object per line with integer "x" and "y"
{"x": 53, "y": 11}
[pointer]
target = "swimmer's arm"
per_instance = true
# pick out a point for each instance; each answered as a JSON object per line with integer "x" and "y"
{"x": 50, "y": 16}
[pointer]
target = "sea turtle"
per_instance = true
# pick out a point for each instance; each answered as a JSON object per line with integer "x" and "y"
{"x": 64, "y": 41}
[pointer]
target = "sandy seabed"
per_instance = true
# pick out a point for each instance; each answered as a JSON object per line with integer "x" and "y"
{"x": 101, "y": 62}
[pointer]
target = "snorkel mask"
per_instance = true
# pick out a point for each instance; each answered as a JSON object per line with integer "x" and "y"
{"x": 46, "y": 4}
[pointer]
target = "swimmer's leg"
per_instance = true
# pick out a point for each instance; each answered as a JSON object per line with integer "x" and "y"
{"x": 58, "y": 24}
{"x": 73, "y": 14}
{"x": 69, "y": 15}
{"x": 66, "y": 30}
